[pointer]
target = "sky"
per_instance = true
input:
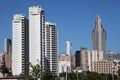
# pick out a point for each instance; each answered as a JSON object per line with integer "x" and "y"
{"x": 74, "y": 19}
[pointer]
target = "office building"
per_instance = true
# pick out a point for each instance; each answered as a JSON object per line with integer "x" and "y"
{"x": 99, "y": 36}
{"x": 36, "y": 36}
{"x": 20, "y": 37}
{"x": 51, "y": 47}
{"x": 8, "y": 45}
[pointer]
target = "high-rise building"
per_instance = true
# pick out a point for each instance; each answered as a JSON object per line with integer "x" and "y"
{"x": 72, "y": 62}
{"x": 99, "y": 36}
{"x": 43, "y": 41}
{"x": 81, "y": 59}
{"x": 89, "y": 60}
{"x": 8, "y": 45}
{"x": 84, "y": 63}
{"x": 20, "y": 37}
{"x": 68, "y": 48}
{"x": 77, "y": 58}
{"x": 51, "y": 47}
{"x": 36, "y": 36}
{"x": 69, "y": 51}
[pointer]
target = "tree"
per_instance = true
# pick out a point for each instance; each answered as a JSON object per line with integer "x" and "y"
{"x": 36, "y": 73}
{"x": 4, "y": 69}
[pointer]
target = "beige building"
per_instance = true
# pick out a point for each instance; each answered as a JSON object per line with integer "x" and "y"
{"x": 6, "y": 59}
{"x": 102, "y": 66}
{"x": 84, "y": 63}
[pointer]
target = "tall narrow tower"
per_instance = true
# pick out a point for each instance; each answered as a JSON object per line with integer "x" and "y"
{"x": 51, "y": 46}
{"x": 69, "y": 51}
{"x": 99, "y": 36}
{"x": 36, "y": 35}
{"x": 20, "y": 37}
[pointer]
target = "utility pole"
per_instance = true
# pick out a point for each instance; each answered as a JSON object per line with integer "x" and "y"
{"x": 66, "y": 72}
{"x": 77, "y": 74}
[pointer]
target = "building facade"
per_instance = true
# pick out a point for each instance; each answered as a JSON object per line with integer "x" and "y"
{"x": 8, "y": 45}
{"x": 43, "y": 39}
{"x": 68, "y": 48}
{"x": 94, "y": 56}
{"x": 84, "y": 59}
{"x": 99, "y": 36}
{"x": 20, "y": 37}
{"x": 77, "y": 58}
{"x": 64, "y": 64}
{"x": 103, "y": 67}
{"x": 69, "y": 51}
{"x": 36, "y": 36}
{"x": 51, "y": 47}
{"x": 2, "y": 58}
{"x": 72, "y": 62}
{"x": 81, "y": 59}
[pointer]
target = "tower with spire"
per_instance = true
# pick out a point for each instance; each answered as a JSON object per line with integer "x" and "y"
{"x": 99, "y": 36}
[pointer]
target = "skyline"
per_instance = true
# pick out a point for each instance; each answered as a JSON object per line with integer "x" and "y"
{"x": 77, "y": 14}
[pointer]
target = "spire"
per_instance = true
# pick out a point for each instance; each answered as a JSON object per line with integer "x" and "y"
{"x": 98, "y": 19}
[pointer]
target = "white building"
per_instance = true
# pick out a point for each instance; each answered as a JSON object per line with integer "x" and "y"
{"x": 20, "y": 56}
{"x": 36, "y": 35}
{"x": 43, "y": 39}
{"x": 51, "y": 47}
{"x": 68, "y": 48}
{"x": 64, "y": 63}
{"x": 69, "y": 51}
{"x": 94, "y": 56}
{"x": 89, "y": 60}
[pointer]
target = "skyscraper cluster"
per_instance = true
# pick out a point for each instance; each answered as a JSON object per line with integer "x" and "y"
{"x": 35, "y": 41}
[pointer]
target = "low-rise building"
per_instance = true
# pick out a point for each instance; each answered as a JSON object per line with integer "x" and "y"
{"x": 64, "y": 63}
{"x": 102, "y": 66}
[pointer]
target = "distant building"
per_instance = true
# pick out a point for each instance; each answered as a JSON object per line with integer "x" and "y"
{"x": 94, "y": 56}
{"x": 89, "y": 58}
{"x": 99, "y": 36}
{"x": 77, "y": 58}
{"x": 20, "y": 37}
{"x": 68, "y": 48}
{"x": 72, "y": 62}
{"x": 103, "y": 67}
{"x": 84, "y": 59}
{"x": 8, "y": 45}
{"x": 69, "y": 51}
{"x": 2, "y": 58}
{"x": 8, "y": 61}
{"x": 81, "y": 59}
{"x": 64, "y": 63}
